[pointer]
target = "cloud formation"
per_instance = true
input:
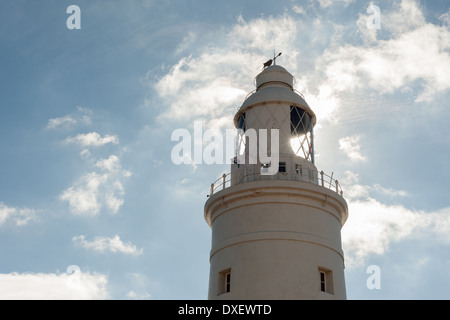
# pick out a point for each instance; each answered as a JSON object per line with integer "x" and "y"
{"x": 101, "y": 187}
{"x": 350, "y": 146}
{"x": 82, "y": 116}
{"x": 415, "y": 51}
{"x": 103, "y": 244}
{"x": 373, "y": 226}
{"x": 18, "y": 216}
{"x": 213, "y": 84}
{"x": 95, "y": 190}
{"x": 328, "y": 3}
{"x": 92, "y": 139}
{"x": 53, "y": 286}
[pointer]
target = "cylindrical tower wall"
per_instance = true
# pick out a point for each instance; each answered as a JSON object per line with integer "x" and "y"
{"x": 275, "y": 238}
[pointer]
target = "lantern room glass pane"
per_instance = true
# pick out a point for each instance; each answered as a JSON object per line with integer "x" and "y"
{"x": 300, "y": 121}
{"x": 302, "y": 133}
{"x": 241, "y": 122}
{"x": 240, "y": 147}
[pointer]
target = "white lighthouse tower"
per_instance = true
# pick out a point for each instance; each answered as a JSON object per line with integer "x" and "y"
{"x": 276, "y": 236}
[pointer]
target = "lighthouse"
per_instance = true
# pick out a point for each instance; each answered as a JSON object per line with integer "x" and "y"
{"x": 276, "y": 234}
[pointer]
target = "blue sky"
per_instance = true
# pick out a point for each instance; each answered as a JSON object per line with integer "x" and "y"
{"x": 86, "y": 176}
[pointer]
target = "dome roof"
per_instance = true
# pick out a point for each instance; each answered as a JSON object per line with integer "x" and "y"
{"x": 274, "y": 85}
{"x": 274, "y": 74}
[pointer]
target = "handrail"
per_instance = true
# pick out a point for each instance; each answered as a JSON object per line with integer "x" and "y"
{"x": 299, "y": 93}
{"x": 313, "y": 176}
{"x": 249, "y": 94}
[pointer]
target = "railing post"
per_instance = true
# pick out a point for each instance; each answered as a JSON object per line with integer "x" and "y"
{"x": 223, "y": 182}
{"x": 245, "y": 174}
{"x": 321, "y": 177}
{"x": 212, "y": 189}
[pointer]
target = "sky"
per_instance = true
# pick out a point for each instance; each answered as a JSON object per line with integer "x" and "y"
{"x": 92, "y": 205}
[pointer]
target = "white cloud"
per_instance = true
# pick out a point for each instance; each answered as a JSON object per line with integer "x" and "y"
{"x": 373, "y": 227}
{"x": 405, "y": 16}
{"x": 351, "y": 147}
{"x": 416, "y": 51}
{"x": 85, "y": 153}
{"x": 95, "y": 190}
{"x": 110, "y": 164}
{"x": 325, "y": 103}
{"x": 82, "y": 116}
{"x": 215, "y": 83}
{"x": 112, "y": 201}
{"x": 412, "y": 56}
{"x": 5, "y": 213}
{"x": 83, "y": 199}
{"x": 92, "y": 139}
{"x": 357, "y": 192}
{"x": 57, "y": 122}
{"x": 264, "y": 35}
{"x": 298, "y": 9}
{"x": 102, "y": 244}
{"x": 50, "y": 286}
{"x": 203, "y": 98}
{"x": 328, "y": 3}
{"x": 186, "y": 42}
{"x": 445, "y": 18}
{"x": 138, "y": 296}
{"x": 116, "y": 167}
{"x": 18, "y": 216}
{"x": 23, "y": 216}
{"x": 389, "y": 191}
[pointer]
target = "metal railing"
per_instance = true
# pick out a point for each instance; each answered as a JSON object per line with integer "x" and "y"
{"x": 315, "y": 177}
{"x": 299, "y": 93}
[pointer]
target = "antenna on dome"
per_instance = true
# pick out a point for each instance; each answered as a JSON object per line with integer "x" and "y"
{"x": 268, "y": 63}
{"x": 275, "y": 57}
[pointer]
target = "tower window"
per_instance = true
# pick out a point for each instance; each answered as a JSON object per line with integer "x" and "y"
{"x": 224, "y": 284}
{"x": 323, "y": 283}
{"x": 282, "y": 167}
{"x": 326, "y": 281}
{"x": 311, "y": 175}
{"x": 227, "y": 282}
